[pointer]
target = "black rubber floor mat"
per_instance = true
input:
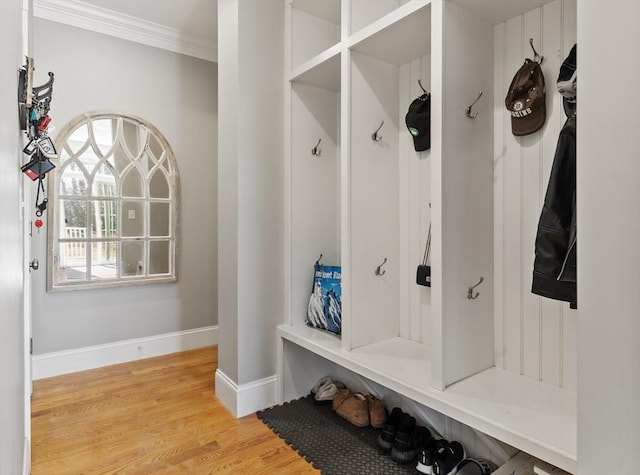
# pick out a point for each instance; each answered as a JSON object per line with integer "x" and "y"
{"x": 330, "y": 443}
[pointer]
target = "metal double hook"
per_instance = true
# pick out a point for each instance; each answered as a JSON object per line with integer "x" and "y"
{"x": 317, "y": 151}
{"x": 379, "y": 270}
{"x": 536, "y": 57}
{"x": 374, "y": 136}
{"x": 473, "y": 115}
{"x": 470, "y": 295}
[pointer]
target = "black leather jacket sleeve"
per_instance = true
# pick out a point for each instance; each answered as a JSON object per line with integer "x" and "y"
{"x": 554, "y": 270}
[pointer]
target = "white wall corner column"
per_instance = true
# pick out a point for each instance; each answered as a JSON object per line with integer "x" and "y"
{"x": 608, "y": 202}
{"x": 250, "y": 184}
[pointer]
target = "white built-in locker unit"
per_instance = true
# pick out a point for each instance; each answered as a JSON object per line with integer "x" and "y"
{"x": 503, "y": 363}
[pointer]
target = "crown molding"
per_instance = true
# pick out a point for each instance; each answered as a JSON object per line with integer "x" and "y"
{"x": 101, "y": 20}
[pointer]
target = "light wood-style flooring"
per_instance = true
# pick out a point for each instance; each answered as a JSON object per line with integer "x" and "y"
{"x": 153, "y": 416}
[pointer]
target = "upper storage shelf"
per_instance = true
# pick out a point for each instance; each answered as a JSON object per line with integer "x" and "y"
{"x": 315, "y": 27}
{"x": 497, "y": 11}
{"x": 398, "y": 37}
{"x": 362, "y": 13}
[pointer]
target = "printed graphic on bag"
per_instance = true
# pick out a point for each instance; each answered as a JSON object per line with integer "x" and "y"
{"x": 325, "y": 304}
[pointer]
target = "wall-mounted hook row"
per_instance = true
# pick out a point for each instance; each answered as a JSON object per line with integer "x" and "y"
{"x": 470, "y": 114}
{"x": 374, "y": 136}
{"x": 379, "y": 270}
{"x": 317, "y": 151}
{"x": 536, "y": 57}
{"x": 470, "y": 294}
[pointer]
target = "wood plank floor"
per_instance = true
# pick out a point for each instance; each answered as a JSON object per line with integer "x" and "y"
{"x": 153, "y": 416}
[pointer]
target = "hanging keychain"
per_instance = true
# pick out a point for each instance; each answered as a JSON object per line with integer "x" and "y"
{"x": 42, "y": 206}
{"x": 35, "y": 102}
{"x": 423, "y": 274}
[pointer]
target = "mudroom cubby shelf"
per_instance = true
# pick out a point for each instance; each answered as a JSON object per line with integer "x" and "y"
{"x": 536, "y": 418}
{"x": 502, "y": 363}
{"x": 398, "y": 37}
{"x": 323, "y": 71}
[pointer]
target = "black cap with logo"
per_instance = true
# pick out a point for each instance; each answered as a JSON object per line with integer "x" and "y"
{"x": 418, "y": 120}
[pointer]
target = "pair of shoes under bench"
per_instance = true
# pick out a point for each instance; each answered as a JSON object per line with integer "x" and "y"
{"x": 402, "y": 437}
{"x": 440, "y": 457}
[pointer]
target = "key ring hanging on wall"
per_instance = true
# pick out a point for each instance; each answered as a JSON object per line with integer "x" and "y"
{"x": 423, "y": 273}
{"x": 42, "y": 206}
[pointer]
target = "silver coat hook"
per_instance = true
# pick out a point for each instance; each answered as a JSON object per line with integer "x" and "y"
{"x": 536, "y": 57}
{"x": 473, "y": 115}
{"x": 374, "y": 136}
{"x": 470, "y": 295}
{"x": 379, "y": 270}
{"x": 316, "y": 151}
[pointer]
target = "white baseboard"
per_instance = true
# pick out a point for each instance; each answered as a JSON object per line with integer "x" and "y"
{"x": 69, "y": 361}
{"x": 246, "y": 398}
{"x": 226, "y": 390}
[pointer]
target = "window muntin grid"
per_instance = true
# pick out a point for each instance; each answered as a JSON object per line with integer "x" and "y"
{"x": 114, "y": 202}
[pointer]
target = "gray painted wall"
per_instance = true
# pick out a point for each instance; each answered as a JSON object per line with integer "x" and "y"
{"x": 12, "y": 415}
{"x": 177, "y": 94}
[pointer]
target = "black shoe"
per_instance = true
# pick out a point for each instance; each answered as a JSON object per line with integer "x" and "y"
{"x": 452, "y": 456}
{"x": 435, "y": 449}
{"x": 389, "y": 428}
{"x": 410, "y": 438}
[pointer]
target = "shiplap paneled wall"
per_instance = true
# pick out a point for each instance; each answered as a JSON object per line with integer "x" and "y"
{"x": 314, "y": 113}
{"x": 415, "y": 215}
{"x": 534, "y": 336}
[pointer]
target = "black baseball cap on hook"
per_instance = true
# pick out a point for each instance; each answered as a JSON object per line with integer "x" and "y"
{"x": 418, "y": 120}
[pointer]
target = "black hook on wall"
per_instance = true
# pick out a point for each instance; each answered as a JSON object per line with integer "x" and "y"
{"x": 470, "y": 295}
{"x": 470, "y": 114}
{"x": 316, "y": 151}
{"x": 374, "y": 136}
{"x": 379, "y": 270}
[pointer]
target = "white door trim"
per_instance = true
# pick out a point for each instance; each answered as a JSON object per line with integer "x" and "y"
{"x": 27, "y": 22}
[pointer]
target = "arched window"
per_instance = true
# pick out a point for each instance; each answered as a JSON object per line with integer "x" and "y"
{"x": 113, "y": 198}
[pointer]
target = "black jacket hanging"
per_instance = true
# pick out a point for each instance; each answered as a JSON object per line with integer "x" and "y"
{"x": 554, "y": 269}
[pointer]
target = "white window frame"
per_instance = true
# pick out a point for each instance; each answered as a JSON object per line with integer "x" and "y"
{"x": 165, "y": 164}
